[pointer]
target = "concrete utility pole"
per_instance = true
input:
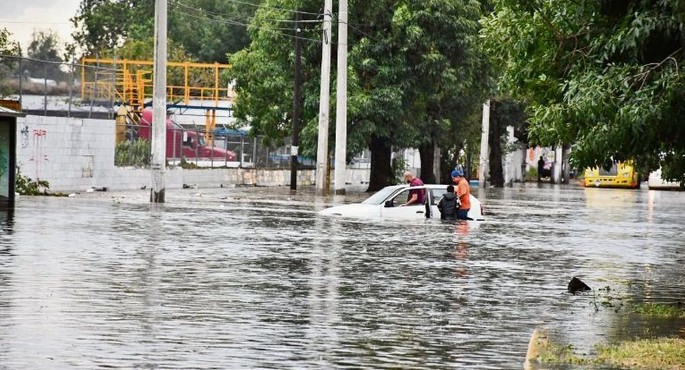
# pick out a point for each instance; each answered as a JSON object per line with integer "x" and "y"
{"x": 297, "y": 98}
{"x": 484, "y": 148}
{"x": 159, "y": 104}
{"x": 322, "y": 148}
{"x": 341, "y": 103}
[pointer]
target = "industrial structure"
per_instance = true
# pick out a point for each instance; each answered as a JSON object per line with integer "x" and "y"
{"x": 128, "y": 83}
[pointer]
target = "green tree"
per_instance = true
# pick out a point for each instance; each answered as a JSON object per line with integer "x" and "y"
{"x": 45, "y": 49}
{"x": 9, "y": 51}
{"x": 446, "y": 72}
{"x": 104, "y": 24}
{"x": 210, "y": 29}
{"x": 205, "y": 29}
{"x": 7, "y": 46}
{"x": 607, "y": 76}
{"x": 407, "y": 76}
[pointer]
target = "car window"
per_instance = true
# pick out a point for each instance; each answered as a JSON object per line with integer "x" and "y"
{"x": 380, "y": 196}
{"x": 437, "y": 194}
{"x": 402, "y": 198}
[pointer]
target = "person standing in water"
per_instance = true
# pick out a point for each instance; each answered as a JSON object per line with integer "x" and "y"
{"x": 448, "y": 205}
{"x": 416, "y": 196}
{"x": 463, "y": 194}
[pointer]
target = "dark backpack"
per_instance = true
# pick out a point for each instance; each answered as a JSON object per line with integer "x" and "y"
{"x": 448, "y": 208}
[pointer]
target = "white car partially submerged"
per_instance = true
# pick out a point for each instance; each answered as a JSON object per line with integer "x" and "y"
{"x": 386, "y": 204}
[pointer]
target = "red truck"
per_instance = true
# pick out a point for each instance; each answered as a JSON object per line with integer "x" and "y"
{"x": 184, "y": 143}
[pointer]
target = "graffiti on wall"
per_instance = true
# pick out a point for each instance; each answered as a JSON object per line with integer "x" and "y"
{"x": 24, "y": 137}
{"x": 38, "y": 155}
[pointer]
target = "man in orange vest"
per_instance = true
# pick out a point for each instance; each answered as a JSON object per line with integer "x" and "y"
{"x": 463, "y": 192}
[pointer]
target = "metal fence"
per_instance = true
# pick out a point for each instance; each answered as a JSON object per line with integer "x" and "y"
{"x": 195, "y": 147}
{"x": 54, "y": 88}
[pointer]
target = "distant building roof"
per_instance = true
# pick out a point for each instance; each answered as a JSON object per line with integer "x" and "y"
{"x": 6, "y": 112}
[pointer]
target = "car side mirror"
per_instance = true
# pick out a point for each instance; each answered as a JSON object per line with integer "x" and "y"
{"x": 388, "y": 203}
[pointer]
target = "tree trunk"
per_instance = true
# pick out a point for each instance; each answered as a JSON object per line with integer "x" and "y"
{"x": 448, "y": 161}
{"x": 495, "y": 141}
{"x": 445, "y": 167}
{"x": 427, "y": 155}
{"x": 381, "y": 171}
{"x": 467, "y": 170}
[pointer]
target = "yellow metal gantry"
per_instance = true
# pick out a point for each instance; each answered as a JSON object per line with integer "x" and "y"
{"x": 129, "y": 82}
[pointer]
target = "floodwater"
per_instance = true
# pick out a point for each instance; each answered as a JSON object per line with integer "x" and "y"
{"x": 233, "y": 278}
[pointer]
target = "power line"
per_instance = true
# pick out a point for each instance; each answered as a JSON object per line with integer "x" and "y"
{"x": 215, "y": 17}
{"x": 251, "y": 4}
{"x": 35, "y": 22}
{"x": 271, "y": 7}
{"x": 228, "y": 19}
{"x": 222, "y": 18}
{"x": 352, "y": 25}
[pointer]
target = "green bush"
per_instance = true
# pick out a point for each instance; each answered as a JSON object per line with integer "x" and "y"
{"x": 133, "y": 153}
{"x": 24, "y": 185}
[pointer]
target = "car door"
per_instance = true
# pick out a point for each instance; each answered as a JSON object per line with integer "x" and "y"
{"x": 435, "y": 196}
{"x": 392, "y": 208}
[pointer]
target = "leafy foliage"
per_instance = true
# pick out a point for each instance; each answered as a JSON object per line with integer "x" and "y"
{"x": 7, "y": 65}
{"x": 208, "y": 30}
{"x": 44, "y": 46}
{"x": 412, "y": 76}
{"x": 7, "y": 46}
{"x": 197, "y": 29}
{"x": 606, "y": 76}
{"x": 105, "y": 24}
{"x": 25, "y": 185}
{"x": 133, "y": 153}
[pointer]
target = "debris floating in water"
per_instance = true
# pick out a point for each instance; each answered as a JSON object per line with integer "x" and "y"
{"x": 576, "y": 285}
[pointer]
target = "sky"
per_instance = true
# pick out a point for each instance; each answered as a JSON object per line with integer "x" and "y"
{"x": 22, "y": 17}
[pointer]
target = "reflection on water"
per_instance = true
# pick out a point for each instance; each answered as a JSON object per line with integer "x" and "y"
{"x": 254, "y": 278}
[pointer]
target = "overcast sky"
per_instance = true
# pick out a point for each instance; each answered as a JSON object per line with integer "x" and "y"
{"x": 22, "y": 17}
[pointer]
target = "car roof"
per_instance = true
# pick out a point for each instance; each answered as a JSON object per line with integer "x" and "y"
{"x": 427, "y": 186}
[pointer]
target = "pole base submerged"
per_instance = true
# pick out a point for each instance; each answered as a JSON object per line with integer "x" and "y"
{"x": 157, "y": 196}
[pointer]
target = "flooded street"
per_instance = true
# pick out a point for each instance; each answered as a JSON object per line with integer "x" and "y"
{"x": 254, "y": 278}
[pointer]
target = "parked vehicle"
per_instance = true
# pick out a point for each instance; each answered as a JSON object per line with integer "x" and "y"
{"x": 620, "y": 175}
{"x": 655, "y": 182}
{"x": 182, "y": 143}
{"x": 385, "y": 204}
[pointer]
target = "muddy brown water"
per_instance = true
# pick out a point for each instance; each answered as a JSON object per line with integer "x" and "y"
{"x": 254, "y": 278}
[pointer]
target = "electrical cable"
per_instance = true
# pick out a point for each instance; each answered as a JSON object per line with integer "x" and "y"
{"x": 224, "y": 20}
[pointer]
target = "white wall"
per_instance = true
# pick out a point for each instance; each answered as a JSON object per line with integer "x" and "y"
{"x": 69, "y": 153}
{"x": 513, "y": 166}
{"x": 513, "y": 162}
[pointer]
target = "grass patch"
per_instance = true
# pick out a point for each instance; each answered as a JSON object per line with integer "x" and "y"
{"x": 659, "y": 310}
{"x": 645, "y": 354}
{"x": 557, "y": 354}
{"x": 658, "y": 353}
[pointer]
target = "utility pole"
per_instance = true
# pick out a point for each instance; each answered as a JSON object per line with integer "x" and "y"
{"x": 341, "y": 103}
{"x": 296, "y": 105}
{"x": 322, "y": 148}
{"x": 483, "y": 169}
{"x": 159, "y": 104}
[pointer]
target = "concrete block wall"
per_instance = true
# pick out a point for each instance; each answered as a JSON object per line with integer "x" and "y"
{"x": 69, "y": 153}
